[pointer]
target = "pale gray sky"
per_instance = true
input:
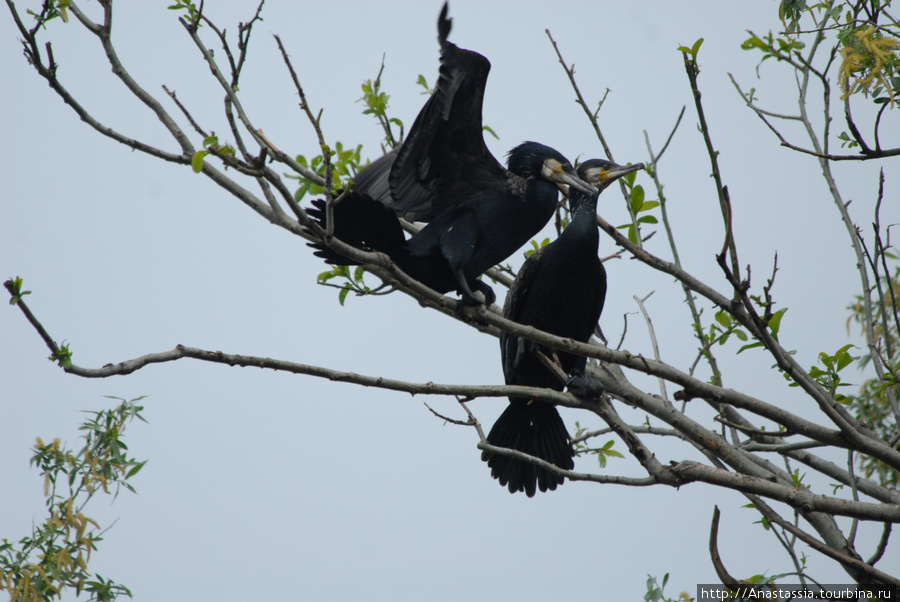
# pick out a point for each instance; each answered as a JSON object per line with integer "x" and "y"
{"x": 271, "y": 486}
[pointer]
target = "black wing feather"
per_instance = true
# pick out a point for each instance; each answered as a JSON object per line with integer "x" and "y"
{"x": 444, "y": 158}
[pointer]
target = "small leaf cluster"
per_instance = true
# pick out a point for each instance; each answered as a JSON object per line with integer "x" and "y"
{"x": 797, "y": 479}
{"x": 826, "y": 372}
{"x": 722, "y": 328}
{"x": 536, "y": 246}
{"x": 51, "y": 9}
{"x": 345, "y": 164}
{"x": 376, "y": 102}
{"x": 773, "y": 325}
{"x": 55, "y": 556}
{"x": 63, "y": 356}
{"x": 637, "y": 205}
{"x": 14, "y": 286}
{"x": 655, "y": 591}
{"x": 847, "y": 141}
{"x": 354, "y": 282}
{"x": 772, "y": 47}
{"x": 603, "y": 453}
{"x": 189, "y": 7}
{"x": 211, "y": 147}
{"x": 693, "y": 50}
{"x": 762, "y": 518}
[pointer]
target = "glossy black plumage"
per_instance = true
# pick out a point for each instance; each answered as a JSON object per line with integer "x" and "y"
{"x": 560, "y": 289}
{"x": 478, "y": 212}
{"x": 444, "y": 157}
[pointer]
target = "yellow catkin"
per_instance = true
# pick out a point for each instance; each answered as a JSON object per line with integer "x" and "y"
{"x": 41, "y": 571}
{"x": 81, "y": 524}
{"x": 70, "y": 516}
{"x": 64, "y": 560}
{"x": 25, "y": 590}
{"x": 880, "y": 49}
{"x": 88, "y": 544}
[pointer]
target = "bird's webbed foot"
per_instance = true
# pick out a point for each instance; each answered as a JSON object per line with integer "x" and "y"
{"x": 482, "y": 295}
{"x": 524, "y": 348}
{"x": 585, "y": 387}
{"x": 486, "y": 291}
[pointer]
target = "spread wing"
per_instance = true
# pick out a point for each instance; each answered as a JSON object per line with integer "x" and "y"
{"x": 444, "y": 159}
{"x": 373, "y": 179}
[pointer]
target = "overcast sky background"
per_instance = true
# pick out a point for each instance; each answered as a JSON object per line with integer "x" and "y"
{"x": 272, "y": 486}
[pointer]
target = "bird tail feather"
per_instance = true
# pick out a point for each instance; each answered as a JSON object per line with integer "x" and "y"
{"x": 361, "y": 222}
{"x": 534, "y": 428}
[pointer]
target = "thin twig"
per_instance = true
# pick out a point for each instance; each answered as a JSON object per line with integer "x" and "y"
{"x": 654, "y": 344}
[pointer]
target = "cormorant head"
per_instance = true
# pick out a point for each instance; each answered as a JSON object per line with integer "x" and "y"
{"x": 600, "y": 173}
{"x": 535, "y": 160}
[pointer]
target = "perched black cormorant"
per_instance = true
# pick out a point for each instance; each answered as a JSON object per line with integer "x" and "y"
{"x": 478, "y": 212}
{"x": 560, "y": 289}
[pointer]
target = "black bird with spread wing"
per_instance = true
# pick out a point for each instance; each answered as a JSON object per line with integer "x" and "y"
{"x": 560, "y": 289}
{"x": 478, "y": 212}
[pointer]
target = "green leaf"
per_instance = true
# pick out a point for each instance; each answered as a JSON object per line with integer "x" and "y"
{"x": 137, "y": 468}
{"x": 632, "y": 234}
{"x": 637, "y": 199}
{"x": 197, "y": 161}
{"x": 843, "y": 357}
{"x": 696, "y": 47}
{"x": 325, "y": 276}
{"x": 753, "y": 42}
{"x": 342, "y": 296}
{"x": 817, "y": 372}
{"x": 775, "y": 322}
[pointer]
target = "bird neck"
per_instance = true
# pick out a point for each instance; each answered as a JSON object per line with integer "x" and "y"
{"x": 541, "y": 196}
{"x": 584, "y": 218}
